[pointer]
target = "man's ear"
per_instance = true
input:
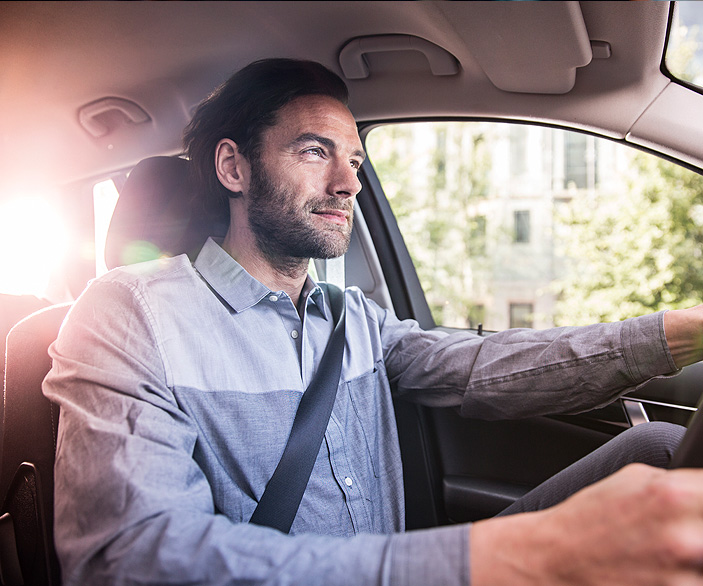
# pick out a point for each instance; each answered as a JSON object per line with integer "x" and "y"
{"x": 232, "y": 168}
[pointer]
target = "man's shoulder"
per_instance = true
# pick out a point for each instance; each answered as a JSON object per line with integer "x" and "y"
{"x": 150, "y": 273}
{"x": 149, "y": 280}
{"x": 136, "y": 288}
{"x": 357, "y": 302}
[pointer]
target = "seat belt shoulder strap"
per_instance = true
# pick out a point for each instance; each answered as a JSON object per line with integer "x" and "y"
{"x": 281, "y": 498}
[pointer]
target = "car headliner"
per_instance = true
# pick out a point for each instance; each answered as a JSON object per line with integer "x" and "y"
{"x": 56, "y": 57}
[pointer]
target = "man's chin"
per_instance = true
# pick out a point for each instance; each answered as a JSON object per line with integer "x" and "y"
{"x": 333, "y": 247}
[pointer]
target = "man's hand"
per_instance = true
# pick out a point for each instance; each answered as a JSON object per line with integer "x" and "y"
{"x": 684, "y": 334}
{"x": 642, "y": 526}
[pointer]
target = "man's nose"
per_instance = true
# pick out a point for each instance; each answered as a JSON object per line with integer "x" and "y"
{"x": 344, "y": 181}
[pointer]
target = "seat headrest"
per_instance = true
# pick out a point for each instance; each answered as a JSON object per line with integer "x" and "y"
{"x": 159, "y": 213}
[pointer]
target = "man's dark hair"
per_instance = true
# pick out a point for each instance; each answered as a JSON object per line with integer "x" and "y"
{"x": 245, "y": 105}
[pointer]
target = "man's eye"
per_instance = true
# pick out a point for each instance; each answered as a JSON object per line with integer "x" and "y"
{"x": 355, "y": 164}
{"x": 317, "y": 151}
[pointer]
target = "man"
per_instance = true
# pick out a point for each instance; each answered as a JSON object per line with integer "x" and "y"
{"x": 178, "y": 385}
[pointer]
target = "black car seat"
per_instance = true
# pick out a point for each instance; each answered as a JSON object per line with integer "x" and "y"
{"x": 156, "y": 214}
{"x": 159, "y": 214}
{"x": 13, "y": 308}
{"x": 27, "y": 465}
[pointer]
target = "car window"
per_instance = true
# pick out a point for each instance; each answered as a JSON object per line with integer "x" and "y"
{"x": 105, "y": 196}
{"x": 37, "y": 241}
{"x": 684, "y": 48}
{"x": 515, "y": 225}
{"x": 33, "y": 241}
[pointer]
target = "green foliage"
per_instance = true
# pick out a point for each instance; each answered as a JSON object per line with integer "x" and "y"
{"x": 635, "y": 252}
{"x": 682, "y": 53}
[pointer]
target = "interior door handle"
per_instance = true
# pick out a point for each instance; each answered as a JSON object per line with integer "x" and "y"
{"x": 635, "y": 412}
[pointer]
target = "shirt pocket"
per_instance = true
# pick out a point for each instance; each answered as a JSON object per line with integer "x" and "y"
{"x": 369, "y": 395}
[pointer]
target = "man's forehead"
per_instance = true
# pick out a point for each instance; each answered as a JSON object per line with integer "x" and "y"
{"x": 317, "y": 114}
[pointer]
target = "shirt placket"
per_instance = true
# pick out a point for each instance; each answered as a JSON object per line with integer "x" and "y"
{"x": 293, "y": 326}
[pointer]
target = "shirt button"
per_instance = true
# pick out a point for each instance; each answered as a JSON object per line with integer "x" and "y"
{"x": 348, "y": 481}
{"x": 273, "y": 298}
{"x": 294, "y": 334}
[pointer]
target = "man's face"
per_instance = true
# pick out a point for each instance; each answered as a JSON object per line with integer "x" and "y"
{"x": 304, "y": 183}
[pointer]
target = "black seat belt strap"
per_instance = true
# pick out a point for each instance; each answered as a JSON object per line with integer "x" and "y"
{"x": 279, "y": 503}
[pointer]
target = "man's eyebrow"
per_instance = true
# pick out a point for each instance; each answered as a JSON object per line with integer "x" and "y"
{"x": 324, "y": 141}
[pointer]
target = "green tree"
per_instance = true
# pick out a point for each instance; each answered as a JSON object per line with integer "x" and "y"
{"x": 636, "y": 252}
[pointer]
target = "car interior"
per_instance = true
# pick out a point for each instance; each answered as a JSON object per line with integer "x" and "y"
{"x": 94, "y": 97}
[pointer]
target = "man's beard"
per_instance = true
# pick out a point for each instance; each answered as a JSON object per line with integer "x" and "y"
{"x": 284, "y": 233}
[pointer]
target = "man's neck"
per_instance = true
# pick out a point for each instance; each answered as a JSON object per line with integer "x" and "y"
{"x": 285, "y": 274}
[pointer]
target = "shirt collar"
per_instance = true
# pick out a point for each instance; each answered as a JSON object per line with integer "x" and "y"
{"x": 237, "y": 287}
{"x": 313, "y": 292}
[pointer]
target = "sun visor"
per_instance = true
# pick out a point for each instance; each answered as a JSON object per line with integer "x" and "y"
{"x": 533, "y": 47}
{"x": 522, "y": 48}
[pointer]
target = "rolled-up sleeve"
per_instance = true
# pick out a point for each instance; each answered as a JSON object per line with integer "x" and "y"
{"x": 132, "y": 505}
{"x": 524, "y": 372}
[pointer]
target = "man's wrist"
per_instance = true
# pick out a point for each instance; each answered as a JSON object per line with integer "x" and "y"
{"x": 684, "y": 334}
{"x": 507, "y": 551}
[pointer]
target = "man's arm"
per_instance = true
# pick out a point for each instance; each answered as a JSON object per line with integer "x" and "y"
{"x": 640, "y": 527}
{"x": 520, "y": 373}
{"x": 132, "y": 505}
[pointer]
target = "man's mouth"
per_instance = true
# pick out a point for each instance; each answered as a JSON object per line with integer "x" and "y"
{"x": 339, "y": 217}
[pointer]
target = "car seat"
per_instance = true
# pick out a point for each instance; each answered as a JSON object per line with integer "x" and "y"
{"x": 29, "y": 440}
{"x": 12, "y": 309}
{"x": 156, "y": 215}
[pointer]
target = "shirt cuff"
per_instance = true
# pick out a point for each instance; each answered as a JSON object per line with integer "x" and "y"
{"x": 646, "y": 351}
{"x": 431, "y": 556}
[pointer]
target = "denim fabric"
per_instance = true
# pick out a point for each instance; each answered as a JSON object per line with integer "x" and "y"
{"x": 178, "y": 385}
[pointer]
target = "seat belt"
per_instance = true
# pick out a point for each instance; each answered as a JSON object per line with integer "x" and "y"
{"x": 279, "y": 503}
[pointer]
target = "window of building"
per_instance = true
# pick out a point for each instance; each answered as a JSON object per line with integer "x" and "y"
{"x": 580, "y": 161}
{"x": 521, "y": 315}
{"x": 477, "y": 315}
{"x": 477, "y": 236}
{"x": 521, "y": 223}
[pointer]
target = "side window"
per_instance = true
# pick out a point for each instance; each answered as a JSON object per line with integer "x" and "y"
{"x": 33, "y": 243}
{"x": 105, "y": 198}
{"x": 44, "y": 237}
{"x": 526, "y": 226}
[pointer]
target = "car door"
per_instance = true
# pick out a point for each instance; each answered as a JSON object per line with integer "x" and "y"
{"x": 486, "y": 225}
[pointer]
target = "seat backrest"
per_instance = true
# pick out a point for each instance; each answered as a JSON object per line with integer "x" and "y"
{"x": 29, "y": 443}
{"x": 157, "y": 214}
{"x": 12, "y": 309}
{"x": 160, "y": 213}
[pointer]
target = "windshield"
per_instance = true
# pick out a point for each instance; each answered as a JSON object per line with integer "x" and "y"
{"x": 684, "y": 51}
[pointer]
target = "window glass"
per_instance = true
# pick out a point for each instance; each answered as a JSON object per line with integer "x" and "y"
{"x": 36, "y": 244}
{"x": 522, "y": 226}
{"x": 528, "y": 226}
{"x": 33, "y": 242}
{"x": 684, "y": 50}
{"x": 105, "y": 197}
{"x": 521, "y": 315}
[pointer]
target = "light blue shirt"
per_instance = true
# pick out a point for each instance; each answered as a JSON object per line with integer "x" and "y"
{"x": 178, "y": 385}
